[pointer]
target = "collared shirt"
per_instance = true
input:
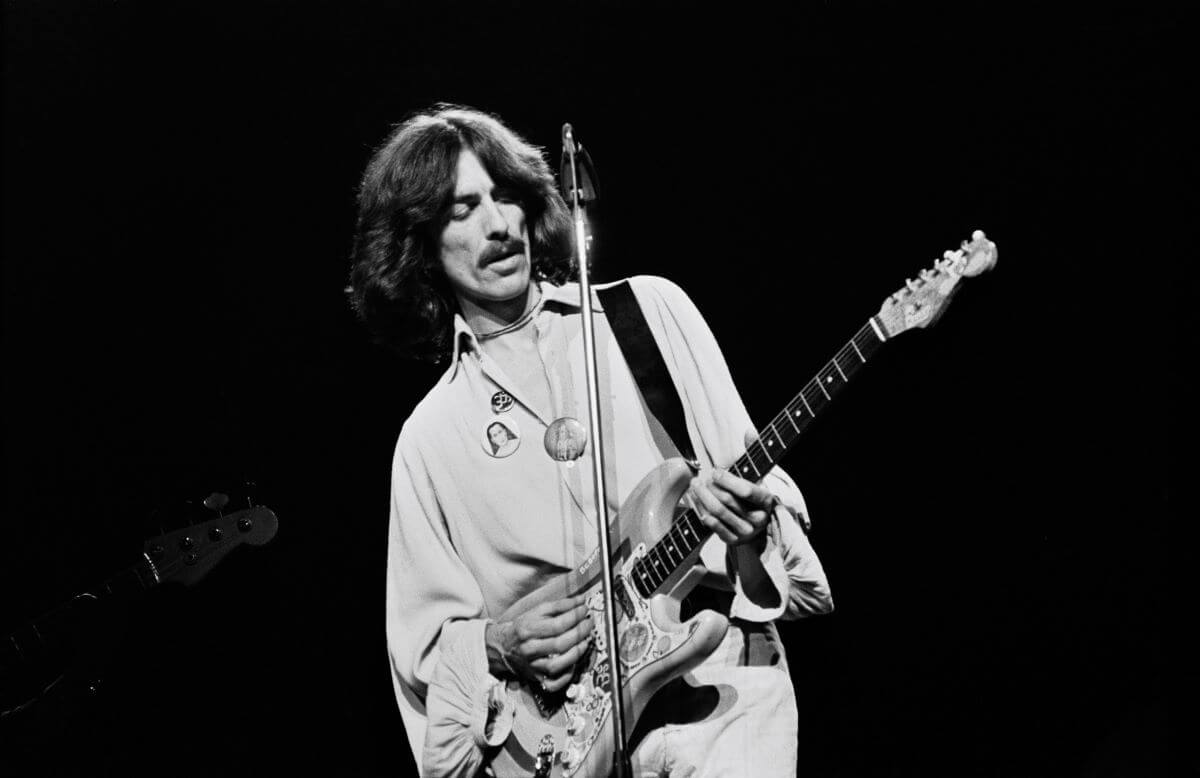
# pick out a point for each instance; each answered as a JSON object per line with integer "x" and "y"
{"x": 475, "y": 526}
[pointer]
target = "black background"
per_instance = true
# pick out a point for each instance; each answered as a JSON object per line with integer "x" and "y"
{"x": 990, "y": 497}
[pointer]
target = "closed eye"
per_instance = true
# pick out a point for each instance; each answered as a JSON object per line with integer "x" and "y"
{"x": 462, "y": 207}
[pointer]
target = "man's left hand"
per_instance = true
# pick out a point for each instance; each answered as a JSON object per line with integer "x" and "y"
{"x": 735, "y": 509}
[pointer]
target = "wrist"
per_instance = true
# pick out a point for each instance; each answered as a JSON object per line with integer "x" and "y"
{"x": 495, "y": 640}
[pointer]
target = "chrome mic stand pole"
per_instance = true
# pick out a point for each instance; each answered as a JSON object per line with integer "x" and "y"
{"x": 621, "y": 764}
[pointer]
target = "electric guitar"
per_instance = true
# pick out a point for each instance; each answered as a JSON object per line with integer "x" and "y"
{"x": 37, "y": 658}
{"x": 656, "y": 563}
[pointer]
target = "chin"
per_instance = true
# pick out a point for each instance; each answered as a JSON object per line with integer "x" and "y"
{"x": 508, "y": 287}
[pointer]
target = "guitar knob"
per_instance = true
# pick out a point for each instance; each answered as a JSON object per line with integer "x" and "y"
{"x": 245, "y": 525}
{"x": 214, "y": 534}
{"x": 157, "y": 552}
{"x": 186, "y": 543}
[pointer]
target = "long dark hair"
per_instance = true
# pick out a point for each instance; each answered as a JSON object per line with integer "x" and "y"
{"x": 397, "y": 286}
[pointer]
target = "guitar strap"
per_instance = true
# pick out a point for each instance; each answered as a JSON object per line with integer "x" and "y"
{"x": 645, "y": 361}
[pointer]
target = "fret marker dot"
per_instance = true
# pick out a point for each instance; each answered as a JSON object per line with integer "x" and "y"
{"x": 799, "y": 413}
{"x": 745, "y": 470}
{"x": 770, "y": 443}
{"x": 829, "y": 379}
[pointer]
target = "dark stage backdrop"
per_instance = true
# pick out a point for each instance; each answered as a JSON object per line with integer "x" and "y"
{"x": 990, "y": 498}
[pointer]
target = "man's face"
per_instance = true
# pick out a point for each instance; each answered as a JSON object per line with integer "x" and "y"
{"x": 484, "y": 246}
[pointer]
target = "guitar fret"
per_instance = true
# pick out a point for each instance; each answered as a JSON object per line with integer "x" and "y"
{"x": 777, "y": 443}
{"x": 806, "y": 405}
{"x": 645, "y": 574}
{"x": 765, "y": 462}
{"x": 760, "y": 448}
{"x": 682, "y": 542}
{"x": 745, "y": 465}
{"x": 848, "y": 359}
{"x": 822, "y": 388}
{"x": 839, "y": 369}
{"x": 677, "y": 542}
{"x": 643, "y": 580}
{"x": 657, "y": 565}
{"x": 688, "y": 531}
{"x": 671, "y": 550}
{"x": 665, "y": 563}
{"x": 861, "y": 358}
{"x": 788, "y": 415}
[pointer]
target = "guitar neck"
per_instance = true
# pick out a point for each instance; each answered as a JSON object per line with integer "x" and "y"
{"x": 687, "y": 532}
{"x": 46, "y": 633}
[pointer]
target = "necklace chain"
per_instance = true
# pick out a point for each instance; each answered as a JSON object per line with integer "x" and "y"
{"x": 516, "y": 325}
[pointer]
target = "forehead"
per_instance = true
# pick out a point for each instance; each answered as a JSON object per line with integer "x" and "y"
{"x": 470, "y": 176}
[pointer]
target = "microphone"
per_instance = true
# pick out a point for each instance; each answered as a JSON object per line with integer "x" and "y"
{"x": 585, "y": 187}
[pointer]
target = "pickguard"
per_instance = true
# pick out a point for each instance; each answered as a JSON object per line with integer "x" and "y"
{"x": 640, "y": 643}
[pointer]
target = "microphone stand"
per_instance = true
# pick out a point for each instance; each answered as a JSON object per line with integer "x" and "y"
{"x": 578, "y": 195}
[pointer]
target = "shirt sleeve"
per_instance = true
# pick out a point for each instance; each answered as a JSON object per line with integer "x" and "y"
{"x": 451, "y": 705}
{"x": 807, "y": 586}
{"x": 718, "y": 420}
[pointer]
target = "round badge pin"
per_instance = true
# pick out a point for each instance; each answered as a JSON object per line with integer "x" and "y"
{"x": 501, "y": 436}
{"x": 501, "y": 402}
{"x": 565, "y": 439}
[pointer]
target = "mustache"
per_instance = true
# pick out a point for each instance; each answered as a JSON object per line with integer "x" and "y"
{"x": 502, "y": 249}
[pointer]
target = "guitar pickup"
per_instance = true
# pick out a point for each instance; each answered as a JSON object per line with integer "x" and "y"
{"x": 621, "y": 594}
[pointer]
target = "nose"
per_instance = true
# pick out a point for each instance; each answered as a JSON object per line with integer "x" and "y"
{"x": 496, "y": 224}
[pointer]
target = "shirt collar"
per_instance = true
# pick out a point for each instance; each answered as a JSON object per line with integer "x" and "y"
{"x": 566, "y": 295}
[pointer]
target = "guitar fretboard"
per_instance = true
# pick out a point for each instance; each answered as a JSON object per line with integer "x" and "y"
{"x": 687, "y": 531}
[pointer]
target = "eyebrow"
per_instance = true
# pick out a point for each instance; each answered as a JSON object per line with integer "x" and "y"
{"x": 470, "y": 197}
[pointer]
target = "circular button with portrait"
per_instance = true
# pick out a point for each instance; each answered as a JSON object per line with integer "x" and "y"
{"x": 501, "y": 435}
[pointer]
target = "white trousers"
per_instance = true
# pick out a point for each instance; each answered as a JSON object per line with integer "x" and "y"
{"x": 736, "y": 716}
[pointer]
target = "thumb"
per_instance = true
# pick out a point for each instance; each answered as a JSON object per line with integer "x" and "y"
{"x": 750, "y": 438}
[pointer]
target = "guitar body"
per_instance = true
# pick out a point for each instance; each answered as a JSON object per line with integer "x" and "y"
{"x": 570, "y": 733}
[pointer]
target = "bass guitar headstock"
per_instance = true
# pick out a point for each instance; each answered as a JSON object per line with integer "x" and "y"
{"x": 188, "y": 553}
{"x": 924, "y": 299}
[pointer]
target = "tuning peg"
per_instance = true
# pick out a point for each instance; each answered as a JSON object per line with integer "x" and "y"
{"x": 250, "y": 487}
{"x": 216, "y": 501}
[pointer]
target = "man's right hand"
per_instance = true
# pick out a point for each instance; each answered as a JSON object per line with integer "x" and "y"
{"x": 543, "y": 644}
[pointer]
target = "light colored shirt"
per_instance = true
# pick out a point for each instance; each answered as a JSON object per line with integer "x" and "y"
{"x": 475, "y": 526}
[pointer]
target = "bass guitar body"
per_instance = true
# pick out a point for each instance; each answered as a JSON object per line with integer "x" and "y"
{"x": 570, "y": 733}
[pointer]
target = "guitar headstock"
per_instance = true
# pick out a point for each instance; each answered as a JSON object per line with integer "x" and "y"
{"x": 188, "y": 553}
{"x": 923, "y": 300}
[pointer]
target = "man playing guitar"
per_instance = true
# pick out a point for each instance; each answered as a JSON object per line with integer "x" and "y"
{"x": 462, "y": 254}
